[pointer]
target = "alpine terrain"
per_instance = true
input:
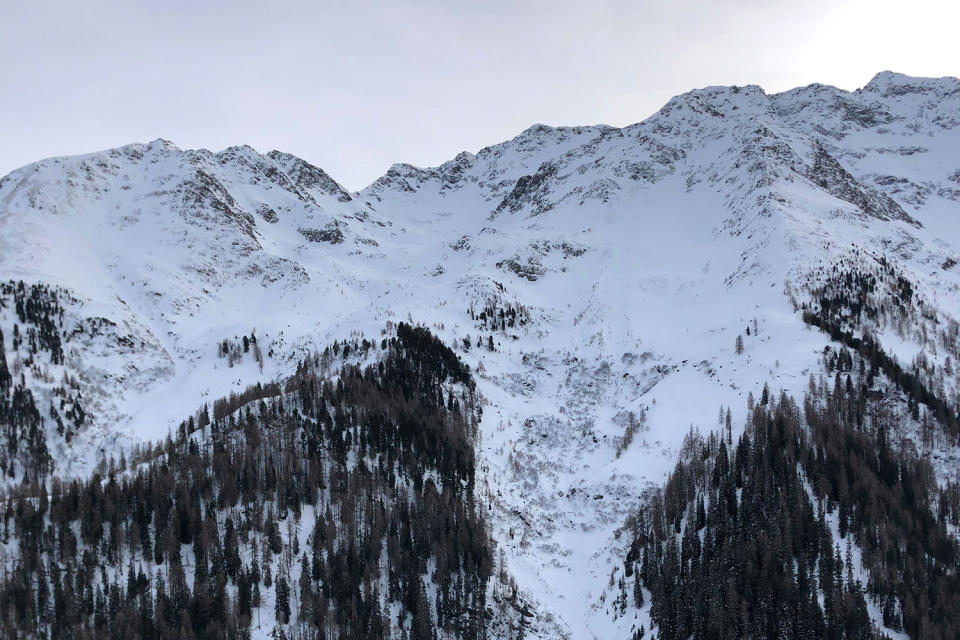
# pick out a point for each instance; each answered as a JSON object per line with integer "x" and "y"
{"x": 694, "y": 377}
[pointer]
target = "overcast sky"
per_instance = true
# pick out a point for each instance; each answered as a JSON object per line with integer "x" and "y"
{"x": 355, "y": 86}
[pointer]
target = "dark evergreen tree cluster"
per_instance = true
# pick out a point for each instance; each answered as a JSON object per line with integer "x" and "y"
{"x": 852, "y": 301}
{"x": 234, "y": 350}
{"x": 38, "y": 310}
{"x": 739, "y": 543}
{"x": 335, "y": 508}
{"x": 498, "y": 315}
{"x": 887, "y": 499}
{"x": 34, "y": 342}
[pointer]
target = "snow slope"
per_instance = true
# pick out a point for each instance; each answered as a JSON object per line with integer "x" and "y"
{"x": 631, "y": 260}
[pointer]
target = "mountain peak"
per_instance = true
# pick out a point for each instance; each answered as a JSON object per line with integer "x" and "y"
{"x": 163, "y": 143}
{"x": 239, "y": 150}
{"x": 890, "y": 83}
{"x": 719, "y": 101}
{"x": 600, "y": 281}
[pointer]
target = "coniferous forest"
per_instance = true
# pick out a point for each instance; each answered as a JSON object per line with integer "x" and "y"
{"x": 340, "y": 506}
{"x": 340, "y": 503}
{"x": 785, "y": 533}
{"x": 37, "y": 331}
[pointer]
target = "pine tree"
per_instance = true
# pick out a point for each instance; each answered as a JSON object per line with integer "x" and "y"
{"x": 282, "y": 603}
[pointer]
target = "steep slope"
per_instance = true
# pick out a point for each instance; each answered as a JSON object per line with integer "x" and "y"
{"x": 611, "y": 288}
{"x": 160, "y": 247}
{"x": 641, "y": 254}
{"x": 358, "y": 474}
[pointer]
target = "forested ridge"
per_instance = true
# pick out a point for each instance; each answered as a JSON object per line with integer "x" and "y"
{"x": 767, "y": 537}
{"x": 338, "y": 507}
{"x": 858, "y": 298}
{"x": 339, "y": 503}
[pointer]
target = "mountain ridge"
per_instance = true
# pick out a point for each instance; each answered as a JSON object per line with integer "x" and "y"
{"x": 585, "y": 274}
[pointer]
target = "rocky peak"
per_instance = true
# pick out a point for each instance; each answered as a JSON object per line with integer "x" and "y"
{"x": 309, "y": 177}
{"x": 889, "y": 84}
{"x": 717, "y": 102}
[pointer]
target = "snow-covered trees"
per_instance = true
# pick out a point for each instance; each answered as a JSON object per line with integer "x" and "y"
{"x": 379, "y": 466}
{"x": 234, "y": 349}
{"x": 634, "y": 423}
{"x": 740, "y": 536}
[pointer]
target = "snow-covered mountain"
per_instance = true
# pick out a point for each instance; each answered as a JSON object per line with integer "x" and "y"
{"x": 588, "y": 275}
